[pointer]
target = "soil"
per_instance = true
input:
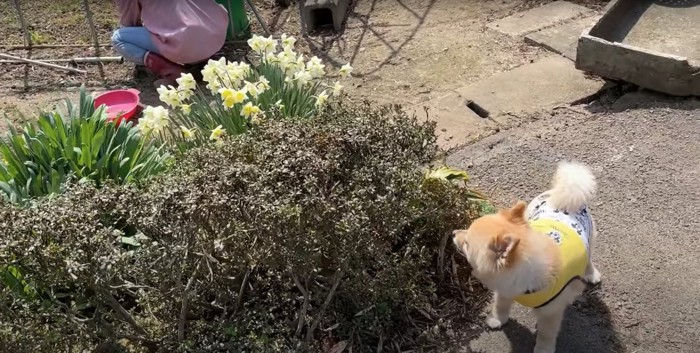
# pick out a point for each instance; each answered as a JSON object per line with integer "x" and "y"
{"x": 646, "y": 158}
{"x": 403, "y": 52}
{"x": 26, "y": 89}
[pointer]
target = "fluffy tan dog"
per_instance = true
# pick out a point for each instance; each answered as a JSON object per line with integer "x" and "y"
{"x": 538, "y": 254}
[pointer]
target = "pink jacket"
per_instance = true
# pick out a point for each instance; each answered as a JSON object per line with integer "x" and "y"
{"x": 185, "y": 31}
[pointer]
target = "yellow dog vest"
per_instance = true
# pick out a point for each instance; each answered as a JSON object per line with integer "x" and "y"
{"x": 571, "y": 232}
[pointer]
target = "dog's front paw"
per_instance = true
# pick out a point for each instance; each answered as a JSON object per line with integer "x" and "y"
{"x": 495, "y": 323}
{"x": 593, "y": 277}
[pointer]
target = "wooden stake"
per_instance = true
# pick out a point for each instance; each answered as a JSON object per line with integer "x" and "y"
{"x": 23, "y": 23}
{"x": 95, "y": 37}
{"x": 49, "y": 46}
{"x": 87, "y": 60}
{"x": 44, "y": 64}
{"x": 27, "y": 39}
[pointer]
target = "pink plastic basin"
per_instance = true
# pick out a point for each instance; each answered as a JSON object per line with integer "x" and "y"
{"x": 121, "y": 103}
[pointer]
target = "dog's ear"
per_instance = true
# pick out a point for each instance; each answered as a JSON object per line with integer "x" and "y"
{"x": 516, "y": 214}
{"x": 504, "y": 246}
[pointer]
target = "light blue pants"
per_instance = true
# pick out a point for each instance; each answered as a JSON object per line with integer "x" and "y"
{"x": 133, "y": 43}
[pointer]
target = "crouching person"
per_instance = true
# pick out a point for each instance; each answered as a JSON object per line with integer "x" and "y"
{"x": 164, "y": 35}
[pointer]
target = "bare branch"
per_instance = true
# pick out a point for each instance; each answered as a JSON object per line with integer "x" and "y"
{"x": 304, "y": 307}
{"x": 113, "y": 303}
{"x": 136, "y": 339}
{"x": 441, "y": 255}
{"x": 329, "y": 297}
{"x": 455, "y": 275}
{"x": 241, "y": 292}
{"x": 184, "y": 302}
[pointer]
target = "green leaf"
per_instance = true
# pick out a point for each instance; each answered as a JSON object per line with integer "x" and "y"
{"x": 448, "y": 174}
{"x": 129, "y": 241}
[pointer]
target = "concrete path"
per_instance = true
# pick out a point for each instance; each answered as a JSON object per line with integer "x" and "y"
{"x": 647, "y": 161}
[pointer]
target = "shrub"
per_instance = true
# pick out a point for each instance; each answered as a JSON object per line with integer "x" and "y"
{"x": 37, "y": 160}
{"x": 300, "y": 236}
{"x": 242, "y": 93}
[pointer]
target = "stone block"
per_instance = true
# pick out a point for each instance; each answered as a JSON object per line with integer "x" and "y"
{"x": 563, "y": 38}
{"x": 315, "y": 13}
{"x": 537, "y": 18}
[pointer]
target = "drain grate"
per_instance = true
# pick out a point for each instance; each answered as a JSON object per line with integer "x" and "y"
{"x": 480, "y": 111}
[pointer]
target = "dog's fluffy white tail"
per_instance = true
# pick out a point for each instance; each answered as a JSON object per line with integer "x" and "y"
{"x": 573, "y": 186}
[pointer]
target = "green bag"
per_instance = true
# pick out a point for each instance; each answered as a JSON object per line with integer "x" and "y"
{"x": 238, "y": 24}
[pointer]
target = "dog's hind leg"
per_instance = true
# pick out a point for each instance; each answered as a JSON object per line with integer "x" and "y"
{"x": 592, "y": 275}
{"x": 550, "y": 316}
{"x": 548, "y": 325}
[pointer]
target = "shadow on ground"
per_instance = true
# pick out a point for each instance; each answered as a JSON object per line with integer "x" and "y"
{"x": 587, "y": 324}
{"x": 623, "y": 96}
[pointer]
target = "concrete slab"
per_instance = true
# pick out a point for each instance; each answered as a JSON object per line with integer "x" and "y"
{"x": 651, "y": 43}
{"x": 548, "y": 83}
{"x": 456, "y": 123}
{"x": 540, "y": 17}
{"x": 563, "y": 38}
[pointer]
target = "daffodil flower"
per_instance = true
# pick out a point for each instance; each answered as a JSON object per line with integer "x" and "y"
{"x": 256, "y": 43}
{"x": 288, "y": 42}
{"x": 186, "y": 82}
{"x": 252, "y": 89}
{"x": 210, "y": 72}
{"x": 245, "y": 68}
{"x": 144, "y": 126}
{"x": 337, "y": 89}
{"x": 169, "y": 95}
{"x": 160, "y": 118}
{"x": 187, "y": 134}
{"x": 300, "y": 65}
{"x": 322, "y": 99}
{"x": 213, "y": 70}
{"x": 162, "y": 92}
{"x": 214, "y": 86}
{"x": 272, "y": 58}
{"x": 184, "y": 95}
{"x": 303, "y": 78}
{"x": 283, "y": 59}
{"x": 154, "y": 119}
{"x": 315, "y": 67}
{"x": 250, "y": 110}
{"x": 220, "y": 63}
{"x": 260, "y": 44}
{"x": 186, "y": 108}
{"x": 217, "y": 133}
{"x": 269, "y": 45}
{"x": 345, "y": 71}
{"x": 232, "y": 97}
{"x": 263, "y": 84}
{"x": 235, "y": 73}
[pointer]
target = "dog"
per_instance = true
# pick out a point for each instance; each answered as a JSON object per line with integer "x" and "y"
{"x": 537, "y": 254}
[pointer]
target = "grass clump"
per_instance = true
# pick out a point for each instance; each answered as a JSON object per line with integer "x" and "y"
{"x": 38, "y": 159}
